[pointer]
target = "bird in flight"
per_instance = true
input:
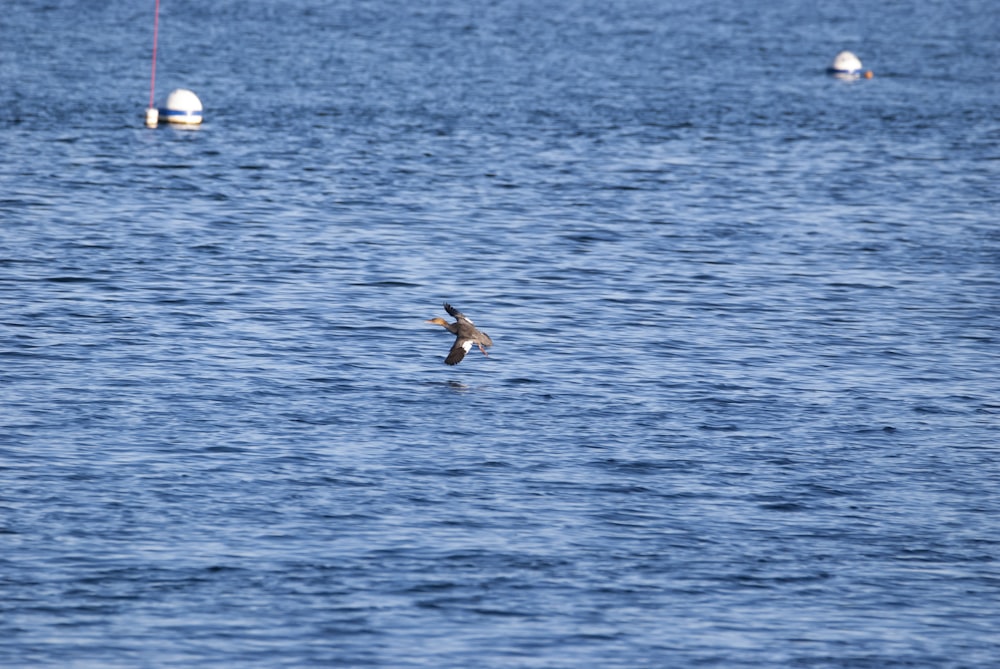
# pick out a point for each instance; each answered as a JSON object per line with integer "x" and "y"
{"x": 466, "y": 334}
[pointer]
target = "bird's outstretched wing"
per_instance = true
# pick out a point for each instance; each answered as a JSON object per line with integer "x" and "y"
{"x": 457, "y": 314}
{"x": 453, "y": 311}
{"x": 458, "y": 351}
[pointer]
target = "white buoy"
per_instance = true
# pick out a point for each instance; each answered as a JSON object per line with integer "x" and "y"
{"x": 152, "y": 117}
{"x": 182, "y": 107}
{"x": 846, "y": 64}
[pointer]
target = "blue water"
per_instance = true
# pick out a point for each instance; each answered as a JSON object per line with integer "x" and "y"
{"x": 743, "y": 406}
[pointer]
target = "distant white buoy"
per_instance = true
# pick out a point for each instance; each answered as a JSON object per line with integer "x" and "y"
{"x": 152, "y": 117}
{"x": 846, "y": 64}
{"x": 182, "y": 107}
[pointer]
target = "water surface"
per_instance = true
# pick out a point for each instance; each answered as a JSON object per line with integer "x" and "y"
{"x": 741, "y": 410}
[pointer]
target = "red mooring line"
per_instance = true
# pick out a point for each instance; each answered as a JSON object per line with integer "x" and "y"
{"x": 156, "y": 31}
